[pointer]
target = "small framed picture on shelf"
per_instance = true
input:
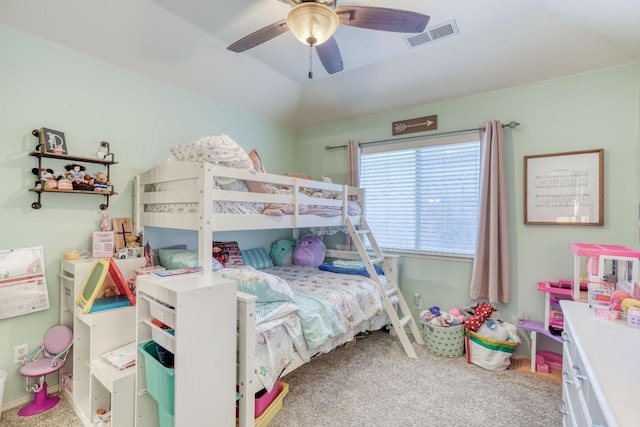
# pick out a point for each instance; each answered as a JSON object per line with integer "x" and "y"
{"x": 52, "y": 141}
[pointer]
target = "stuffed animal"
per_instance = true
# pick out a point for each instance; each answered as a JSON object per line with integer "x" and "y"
{"x": 76, "y": 173}
{"x": 309, "y": 251}
{"x": 101, "y": 182}
{"x": 105, "y": 225}
{"x": 132, "y": 241}
{"x": 282, "y": 252}
{"x": 47, "y": 178}
{"x": 617, "y": 298}
{"x": 481, "y": 313}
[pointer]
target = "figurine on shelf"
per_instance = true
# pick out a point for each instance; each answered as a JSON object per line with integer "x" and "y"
{"x": 76, "y": 173}
{"x": 45, "y": 175}
{"x": 133, "y": 241}
{"x": 105, "y": 225}
{"x": 101, "y": 182}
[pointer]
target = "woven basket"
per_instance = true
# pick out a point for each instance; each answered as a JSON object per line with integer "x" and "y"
{"x": 444, "y": 341}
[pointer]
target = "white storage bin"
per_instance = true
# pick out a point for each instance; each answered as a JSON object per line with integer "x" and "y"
{"x": 166, "y": 315}
{"x": 163, "y": 337}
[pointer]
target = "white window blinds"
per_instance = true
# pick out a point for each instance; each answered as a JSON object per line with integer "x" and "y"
{"x": 422, "y": 196}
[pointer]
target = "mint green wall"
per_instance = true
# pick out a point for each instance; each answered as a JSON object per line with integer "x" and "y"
{"x": 587, "y": 111}
{"x": 43, "y": 85}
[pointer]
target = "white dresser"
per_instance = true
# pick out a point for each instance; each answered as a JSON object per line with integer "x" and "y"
{"x": 600, "y": 370}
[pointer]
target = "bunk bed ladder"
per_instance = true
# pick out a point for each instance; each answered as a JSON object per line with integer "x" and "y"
{"x": 359, "y": 236}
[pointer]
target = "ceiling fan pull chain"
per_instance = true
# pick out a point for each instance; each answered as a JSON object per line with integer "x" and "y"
{"x": 310, "y": 62}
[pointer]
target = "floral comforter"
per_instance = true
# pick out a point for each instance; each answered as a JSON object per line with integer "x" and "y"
{"x": 331, "y": 310}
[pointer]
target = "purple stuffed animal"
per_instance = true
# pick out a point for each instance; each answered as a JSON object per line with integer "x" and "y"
{"x": 309, "y": 251}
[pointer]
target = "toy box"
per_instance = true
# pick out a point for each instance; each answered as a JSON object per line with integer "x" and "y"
{"x": 633, "y": 317}
{"x": 600, "y": 294}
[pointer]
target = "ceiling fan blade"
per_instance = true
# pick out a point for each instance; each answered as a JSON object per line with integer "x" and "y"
{"x": 382, "y": 19}
{"x": 329, "y": 54}
{"x": 258, "y": 37}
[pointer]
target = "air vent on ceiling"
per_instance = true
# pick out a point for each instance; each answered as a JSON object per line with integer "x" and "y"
{"x": 433, "y": 33}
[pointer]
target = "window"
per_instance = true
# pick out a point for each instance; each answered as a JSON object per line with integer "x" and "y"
{"x": 422, "y": 196}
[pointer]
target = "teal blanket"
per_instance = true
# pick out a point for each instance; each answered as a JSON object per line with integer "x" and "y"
{"x": 319, "y": 319}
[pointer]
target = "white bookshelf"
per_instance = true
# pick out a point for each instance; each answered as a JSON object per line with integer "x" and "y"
{"x": 204, "y": 344}
{"x": 97, "y": 384}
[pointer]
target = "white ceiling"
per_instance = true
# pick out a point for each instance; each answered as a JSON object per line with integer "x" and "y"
{"x": 502, "y": 43}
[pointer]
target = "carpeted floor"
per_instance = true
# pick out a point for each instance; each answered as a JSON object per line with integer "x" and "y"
{"x": 60, "y": 415}
{"x": 373, "y": 383}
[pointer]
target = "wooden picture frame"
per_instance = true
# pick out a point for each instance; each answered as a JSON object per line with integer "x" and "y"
{"x": 564, "y": 188}
{"x": 52, "y": 141}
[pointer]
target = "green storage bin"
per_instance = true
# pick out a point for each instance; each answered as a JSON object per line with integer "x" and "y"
{"x": 165, "y": 419}
{"x": 160, "y": 381}
{"x": 443, "y": 341}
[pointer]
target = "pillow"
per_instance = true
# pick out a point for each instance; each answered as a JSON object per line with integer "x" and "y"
{"x": 266, "y": 287}
{"x": 218, "y": 150}
{"x": 256, "y": 258}
{"x": 172, "y": 259}
{"x": 309, "y": 251}
{"x": 156, "y": 253}
{"x": 227, "y": 253}
{"x": 254, "y": 186}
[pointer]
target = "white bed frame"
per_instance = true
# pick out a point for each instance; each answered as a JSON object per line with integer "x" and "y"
{"x": 206, "y": 223}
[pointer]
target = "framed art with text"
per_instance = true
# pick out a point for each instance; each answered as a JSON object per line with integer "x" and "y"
{"x": 564, "y": 188}
{"x": 53, "y": 141}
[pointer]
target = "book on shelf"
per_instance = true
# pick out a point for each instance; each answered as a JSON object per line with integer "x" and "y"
{"x": 177, "y": 272}
{"x": 122, "y": 357}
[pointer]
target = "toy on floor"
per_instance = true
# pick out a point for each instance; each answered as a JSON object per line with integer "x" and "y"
{"x": 436, "y": 317}
{"x": 547, "y": 361}
{"x": 481, "y": 313}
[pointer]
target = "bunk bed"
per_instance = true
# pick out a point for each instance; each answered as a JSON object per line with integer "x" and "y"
{"x": 204, "y": 197}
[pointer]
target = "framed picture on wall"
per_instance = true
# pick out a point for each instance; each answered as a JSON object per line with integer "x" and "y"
{"x": 52, "y": 141}
{"x": 564, "y": 188}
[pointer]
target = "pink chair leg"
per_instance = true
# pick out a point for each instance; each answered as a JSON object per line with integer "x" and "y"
{"x": 41, "y": 402}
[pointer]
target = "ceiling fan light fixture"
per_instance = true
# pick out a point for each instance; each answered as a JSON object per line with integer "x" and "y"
{"x": 312, "y": 23}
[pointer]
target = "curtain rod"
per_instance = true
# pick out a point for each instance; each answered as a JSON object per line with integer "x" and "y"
{"x": 511, "y": 125}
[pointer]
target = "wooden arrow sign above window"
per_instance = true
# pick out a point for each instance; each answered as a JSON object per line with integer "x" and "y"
{"x": 419, "y": 124}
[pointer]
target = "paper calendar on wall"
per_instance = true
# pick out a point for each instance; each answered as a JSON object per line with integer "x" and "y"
{"x": 23, "y": 287}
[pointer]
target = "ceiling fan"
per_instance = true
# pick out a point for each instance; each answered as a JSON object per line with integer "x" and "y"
{"x": 314, "y": 23}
